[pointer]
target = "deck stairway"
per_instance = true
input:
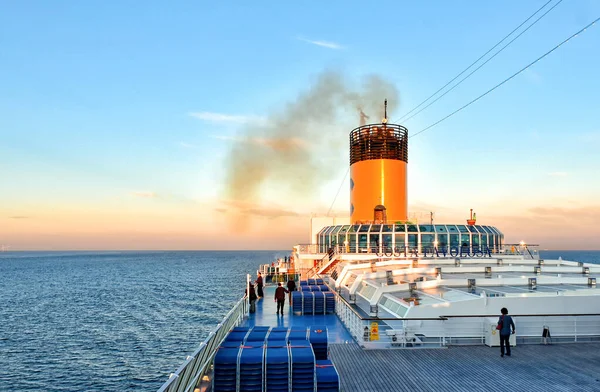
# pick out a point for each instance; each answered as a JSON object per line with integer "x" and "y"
{"x": 329, "y": 262}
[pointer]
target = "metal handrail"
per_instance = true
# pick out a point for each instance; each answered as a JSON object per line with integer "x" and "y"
{"x": 189, "y": 375}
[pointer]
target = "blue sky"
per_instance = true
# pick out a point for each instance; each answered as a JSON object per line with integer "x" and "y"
{"x": 129, "y": 110}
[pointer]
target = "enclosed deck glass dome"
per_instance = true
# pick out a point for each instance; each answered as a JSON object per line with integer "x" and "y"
{"x": 379, "y": 238}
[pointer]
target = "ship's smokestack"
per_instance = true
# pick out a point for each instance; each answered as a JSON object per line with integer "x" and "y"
{"x": 378, "y": 163}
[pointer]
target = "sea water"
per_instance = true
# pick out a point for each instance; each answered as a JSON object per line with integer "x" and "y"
{"x": 108, "y": 321}
{"x": 111, "y": 321}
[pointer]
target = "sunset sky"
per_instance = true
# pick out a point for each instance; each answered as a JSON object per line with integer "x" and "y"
{"x": 224, "y": 125}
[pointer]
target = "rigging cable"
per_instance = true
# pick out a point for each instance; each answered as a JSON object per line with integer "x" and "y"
{"x": 507, "y": 79}
{"x": 339, "y": 189}
{"x": 472, "y": 64}
{"x": 484, "y": 63}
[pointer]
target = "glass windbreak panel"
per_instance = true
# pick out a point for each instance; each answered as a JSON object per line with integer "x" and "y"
{"x": 452, "y": 229}
{"x": 484, "y": 241}
{"x": 400, "y": 241}
{"x": 465, "y": 240}
{"x": 387, "y": 241}
{"x": 412, "y": 228}
{"x": 462, "y": 228}
{"x": 375, "y": 229}
{"x": 426, "y": 228}
{"x": 454, "y": 240}
{"x": 362, "y": 242}
{"x": 354, "y": 228}
{"x": 364, "y": 228}
{"x": 388, "y": 228}
{"x": 413, "y": 241}
{"x": 399, "y": 228}
{"x": 442, "y": 240}
{"x": 475, "y": 240}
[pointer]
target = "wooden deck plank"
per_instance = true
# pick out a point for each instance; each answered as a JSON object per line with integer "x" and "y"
{"x": 558, "y": 367}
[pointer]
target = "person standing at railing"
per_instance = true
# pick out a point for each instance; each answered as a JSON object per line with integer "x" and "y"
{"x": 505, "y": 323}
{"x": 259, "y": 286}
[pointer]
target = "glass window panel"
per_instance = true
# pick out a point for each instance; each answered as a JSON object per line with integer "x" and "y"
{"x": 454, "y": 240}
{"x": 462, "y": 228}
{"x": 388, "y": 228}
{"x": 475, "y": 240}
{"x": 354, "y": 228}
{"x": 374, "y": 241}
{"x": 427, "y": 242}
{"x": 336, "y": 230}
{"x": 330, "y": 229}
{"x": 362, "y": 242}
{"x": 452, "y": 228}
{"x": 442, "y": 240}
{"x": 426, "y": 228}
{"x": 465, "y": 240}
{"x": 440, "y": 229}
{"x": 400, "y": 239}
{"x": 472, "y": 229}
{"x": 412, "y": 228}
{"x": 386, "y": 241}
{"x": 487, "y": 229}
{"x": 413, "y": 241}
{"x": 345, "y": 229}
{"x": 364, "y": 228}
{"x": 333, "y": 239}
{"x": 400, "y": 228}
{"x": 352, "y": 242}
{"x": 375, "y": 229}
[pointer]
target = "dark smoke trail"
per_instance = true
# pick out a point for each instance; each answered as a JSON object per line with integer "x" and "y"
{"x": 288, "y": 150}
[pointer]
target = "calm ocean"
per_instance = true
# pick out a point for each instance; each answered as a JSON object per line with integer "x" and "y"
{"x": 73, "y": 321}
{"x": 111, "y": 321}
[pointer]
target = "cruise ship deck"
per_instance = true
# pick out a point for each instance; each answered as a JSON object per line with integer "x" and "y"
{"x": 556, "y": 367}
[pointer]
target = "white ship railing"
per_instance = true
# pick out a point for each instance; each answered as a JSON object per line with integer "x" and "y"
{"x": 444, "y": 331}
{"x": 196, "y": 367}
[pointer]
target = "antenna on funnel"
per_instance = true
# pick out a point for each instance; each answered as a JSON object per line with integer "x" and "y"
{"x": 384, "y": 121}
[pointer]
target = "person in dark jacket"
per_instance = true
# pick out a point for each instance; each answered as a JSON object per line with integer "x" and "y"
{"x": 506, "y": 323}
{"x": 259, "y": 286}
{"x": 291, "y": 285}
{"x": 280, "y": 297}
{"x": 252, "y": 299}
